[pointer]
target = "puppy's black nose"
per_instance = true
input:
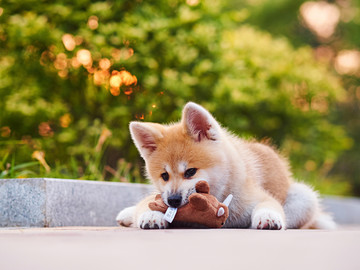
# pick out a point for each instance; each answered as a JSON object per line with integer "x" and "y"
{"x": 174, "y": 200}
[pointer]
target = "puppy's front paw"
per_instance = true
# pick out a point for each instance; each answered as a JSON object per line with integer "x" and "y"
{"x": 267, "y": 219}
{"x": 152, "y": 220}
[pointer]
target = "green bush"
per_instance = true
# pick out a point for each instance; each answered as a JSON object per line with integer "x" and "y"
{"x": 282, "y": 18}
{"x": 61, "y": 64}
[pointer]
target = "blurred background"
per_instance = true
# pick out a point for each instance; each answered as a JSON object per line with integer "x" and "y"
{"x": 73, "y": 74}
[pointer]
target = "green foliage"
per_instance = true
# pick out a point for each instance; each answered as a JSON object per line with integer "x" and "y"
{"x": 282, "y": 18}
{"x": 73, "y": 112}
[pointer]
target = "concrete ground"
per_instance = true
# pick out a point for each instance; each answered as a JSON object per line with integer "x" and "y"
{"x": 119, "y": 248}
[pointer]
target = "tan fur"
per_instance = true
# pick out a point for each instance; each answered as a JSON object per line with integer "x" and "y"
{"x": 276, "y": 175}
{"x": 257, "y": 176}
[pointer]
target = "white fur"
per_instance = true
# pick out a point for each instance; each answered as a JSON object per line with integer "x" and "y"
{"x": 265, "y": 216}
{"x": 216, "y": 178}
{"x": 182, "y": 167}
{"x": 168, "y": 169}
{"x": 323, "y": 221}
{"x": 126, "y": 216}
{"x": 300, "y": 205}
{"x": 302, "y": 209}
{"x": 152, "y": 220}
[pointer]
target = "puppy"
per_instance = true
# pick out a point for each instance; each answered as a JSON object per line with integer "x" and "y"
{"x": 198, "y": 148}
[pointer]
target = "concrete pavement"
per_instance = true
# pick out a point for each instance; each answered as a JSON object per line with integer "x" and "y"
{"x": 128, "y": 248}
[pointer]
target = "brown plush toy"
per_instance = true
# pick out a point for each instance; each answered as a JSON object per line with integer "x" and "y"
{"x": 202, "y": 208}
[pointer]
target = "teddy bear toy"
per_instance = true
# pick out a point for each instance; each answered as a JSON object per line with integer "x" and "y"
{"x": 202, "y": 208}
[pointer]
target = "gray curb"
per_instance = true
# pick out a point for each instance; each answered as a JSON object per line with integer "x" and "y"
{"x": 344, "y": 210}
{"x": 44, "y": 202}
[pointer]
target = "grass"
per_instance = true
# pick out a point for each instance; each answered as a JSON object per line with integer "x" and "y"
{"x": 89, "y": 166}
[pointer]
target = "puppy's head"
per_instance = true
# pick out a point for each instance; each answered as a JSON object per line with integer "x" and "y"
{"x": 178, "y": 156}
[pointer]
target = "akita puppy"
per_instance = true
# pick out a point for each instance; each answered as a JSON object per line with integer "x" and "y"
{"x": 265, "y": 195}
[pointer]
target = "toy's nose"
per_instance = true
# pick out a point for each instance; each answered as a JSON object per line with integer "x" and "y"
{"x": 174, "y": 200}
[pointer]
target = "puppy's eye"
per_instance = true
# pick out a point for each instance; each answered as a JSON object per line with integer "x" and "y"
{"x": 190, "y": 172}
{"x": 165, "y": 176}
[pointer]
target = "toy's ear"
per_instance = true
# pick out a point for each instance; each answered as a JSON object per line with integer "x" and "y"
{"x": 199, "y": 123}
{"x": 198, "y": 202}
{"x": 220, "y": 212}
{"x": 202, "y": 187}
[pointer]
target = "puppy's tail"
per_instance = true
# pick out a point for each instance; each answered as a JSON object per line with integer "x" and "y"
{"x": 303, "y": 209}
{"x": 323, "y": 221}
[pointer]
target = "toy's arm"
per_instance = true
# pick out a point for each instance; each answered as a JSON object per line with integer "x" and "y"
{"x": 198, "y": 202}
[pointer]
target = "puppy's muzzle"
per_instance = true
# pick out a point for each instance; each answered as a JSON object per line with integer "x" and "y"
{"x": 174, "y": 200}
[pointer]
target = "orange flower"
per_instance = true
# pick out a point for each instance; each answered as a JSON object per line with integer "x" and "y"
{"x": 69, "y": 42}
{"x": 93, "y": 22}
{"x": 65, "y": 120}
{"x": 5, "y": 131}
{"x": 84, "y": 57}
{"x": 104, "y": 63}
{"x": 45, "y": 129}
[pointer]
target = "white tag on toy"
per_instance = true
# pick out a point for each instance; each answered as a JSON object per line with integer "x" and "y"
{"x": 228, "y": 200}
{"x": 170, "y": 214}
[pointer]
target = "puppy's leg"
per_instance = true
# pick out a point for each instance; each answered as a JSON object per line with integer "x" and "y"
{"x": 268, "y": 214}
{"x": 152, "y": 220}
{"x": 126, "y": 216}
{"x": 142, "y": 217}
{"x": 148, "y": 219}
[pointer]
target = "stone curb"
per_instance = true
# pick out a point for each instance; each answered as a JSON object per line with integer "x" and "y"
{"x": 45, "y": 202}
{"x": 345, "y": 210}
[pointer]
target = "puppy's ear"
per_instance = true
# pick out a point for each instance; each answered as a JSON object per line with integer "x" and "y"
{"x": 145, "y": 137}
{"x": 199, "y": 123}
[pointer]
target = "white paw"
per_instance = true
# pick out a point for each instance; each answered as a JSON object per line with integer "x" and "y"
{"x": 152, "y": 220}
{"x": 126, "y": 216}
{"x": 267, "y": 219}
